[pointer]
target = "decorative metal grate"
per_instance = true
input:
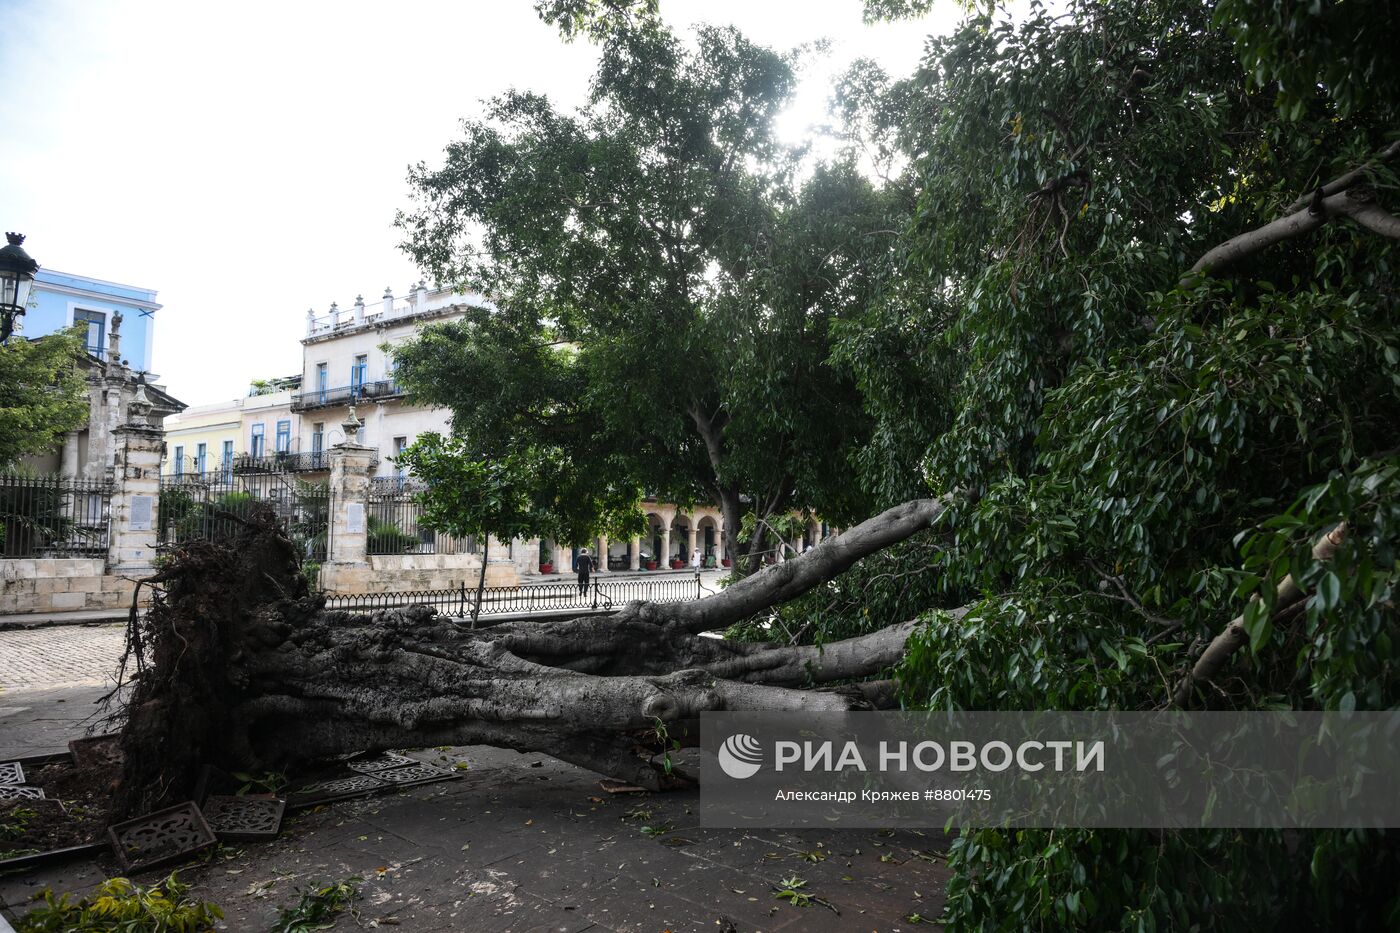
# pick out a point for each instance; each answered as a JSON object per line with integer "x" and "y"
{"x": 17, "y": 792}
{"x": 244, "y": 818}
{"x": 417, "y": 773}
{"x": 11, "y": 772}
{"x": 382, "y": 763}
{"x": 339, "y": 787}
{"x": 160, "y": 837}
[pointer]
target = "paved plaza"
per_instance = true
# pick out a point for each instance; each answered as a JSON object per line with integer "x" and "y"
{"x": 50, "y": 682}
{"x": 520, "y": 842}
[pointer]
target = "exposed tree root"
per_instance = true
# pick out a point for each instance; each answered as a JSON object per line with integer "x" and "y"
{"x": 247, "y": 670}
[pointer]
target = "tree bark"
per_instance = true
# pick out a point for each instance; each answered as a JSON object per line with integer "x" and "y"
{"x": 1343, "y": 196}
{"x": 481, "y": 578}
{"x": 1234, "y": 637}
{"x": 249, "y": 671}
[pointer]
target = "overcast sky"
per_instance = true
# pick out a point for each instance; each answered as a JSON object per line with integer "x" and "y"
{"x": 246, "y": 158}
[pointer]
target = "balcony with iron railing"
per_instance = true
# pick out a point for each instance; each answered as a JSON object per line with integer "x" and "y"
{"x": 283, "y": 462}
{"x": 346, "y": 395}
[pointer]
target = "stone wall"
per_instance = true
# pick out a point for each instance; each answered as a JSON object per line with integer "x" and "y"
{"x": 46, "y": 585}
{"x": 390, "y": 573}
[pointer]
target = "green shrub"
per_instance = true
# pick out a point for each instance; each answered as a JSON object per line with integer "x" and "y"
{"x": 122, "y": 905}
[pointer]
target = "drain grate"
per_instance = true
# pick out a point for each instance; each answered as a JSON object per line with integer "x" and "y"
{"x": 11, "y": 772}
{"x": 160, "y": 837}
{"x": 338, "y": 787}
{"x": 236, "y": 819}
{"x": 417, "y": 773}
{"x": 383, "y": 763}
{"x": 16, "y": 792}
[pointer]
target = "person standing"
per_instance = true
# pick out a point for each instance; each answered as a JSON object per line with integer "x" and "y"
{"x": 695, "y": 559}
{"x": 585, "y": 566}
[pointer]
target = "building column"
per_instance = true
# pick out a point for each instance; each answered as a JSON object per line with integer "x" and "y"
{"x": 563, "y": 558}
{"x": 68, "y": 457}
{"x": 131, "y": 550}
{"x": 719, "y": 544}
{"x": 634, "y": 553}
{"x": 690, "y": 541}
{"x": 665, "y": 555}
{"x": 602, "y": 556}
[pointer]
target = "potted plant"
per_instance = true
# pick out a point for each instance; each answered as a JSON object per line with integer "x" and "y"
{"x": 726, "y": 562}
{"x": 547, "y": 567}
{"x": 677, "y": 563}
{"x": 650, "y": 564}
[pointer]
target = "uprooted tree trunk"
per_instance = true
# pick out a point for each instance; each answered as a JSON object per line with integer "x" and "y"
{"x": 247, "y": 670}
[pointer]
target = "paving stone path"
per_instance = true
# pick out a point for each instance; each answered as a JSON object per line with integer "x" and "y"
{"x": 59, "y": 656}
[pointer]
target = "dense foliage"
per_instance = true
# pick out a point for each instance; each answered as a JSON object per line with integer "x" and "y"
{"x": 42, "y": 396}
{"x": 664, "y": 286}
{"x": 1143, "y": 450}
{"x": 1140, "y": 450}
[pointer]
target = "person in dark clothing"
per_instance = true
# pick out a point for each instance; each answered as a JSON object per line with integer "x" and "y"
{"x": 585, "y": 566}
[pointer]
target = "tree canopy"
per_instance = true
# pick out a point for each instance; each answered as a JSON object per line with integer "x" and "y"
{"x": 665, "y": 289}
{"x": 41, "y": 395}
{"x": 1124, "y": 290}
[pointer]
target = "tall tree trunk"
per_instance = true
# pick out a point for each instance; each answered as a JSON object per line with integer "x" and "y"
{"x": 481, "y": 579}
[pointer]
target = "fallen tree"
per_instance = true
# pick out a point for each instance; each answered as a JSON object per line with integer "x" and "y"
{"x": 238, "y": 664}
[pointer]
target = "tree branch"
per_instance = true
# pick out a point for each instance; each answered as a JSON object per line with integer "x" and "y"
{"x": 786, "y": 581}
{"x": 1345, "y": 181}
{"x": 1224, "y": 645}
{"x": 1341, "y": 196}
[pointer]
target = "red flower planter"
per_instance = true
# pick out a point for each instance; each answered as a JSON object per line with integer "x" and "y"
{"x": 546, "y": 568}
{"x": 677, "y": 564}
{"x": 726, "y": 562}
{"x": 651, "y": 565}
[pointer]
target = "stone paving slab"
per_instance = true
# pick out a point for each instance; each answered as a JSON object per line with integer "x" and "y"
{"x": 72, "y": 656}
{"x": 516, "y": 847}
{"x": 40, "y": 722}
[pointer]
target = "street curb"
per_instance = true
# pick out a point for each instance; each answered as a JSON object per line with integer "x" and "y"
{"x": 56, "y": 621}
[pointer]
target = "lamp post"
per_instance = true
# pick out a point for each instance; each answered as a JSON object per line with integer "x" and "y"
{"x": 16, "y": 279}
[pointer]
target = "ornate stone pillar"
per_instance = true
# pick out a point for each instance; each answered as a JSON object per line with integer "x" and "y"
{"x": 563, "y": 558}
{"x": 131, "y": 551}
{"x": 347, "y": 569}
{"x": 690, "y": 541}
{"x": 602, "y": 556}
{"x": 634, "y": 553}
{"x": 665, "y": 554}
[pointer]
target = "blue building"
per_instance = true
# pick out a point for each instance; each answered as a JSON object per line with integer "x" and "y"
{"x": 120, "y": 322}
{"x": 62, "y": 299}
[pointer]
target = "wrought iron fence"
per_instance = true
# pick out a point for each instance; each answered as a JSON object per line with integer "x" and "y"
{"x": 212, "y": 505}
{"x": 458, "y": 601}
{"x": 54, "y": 516}
{"x": 394, "y": 525}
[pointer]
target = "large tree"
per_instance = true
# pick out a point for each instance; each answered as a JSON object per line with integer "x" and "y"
{"x": 1137, "y": 377}
{"x": 664, "y": 290}
{"x": 1149, "y": 314}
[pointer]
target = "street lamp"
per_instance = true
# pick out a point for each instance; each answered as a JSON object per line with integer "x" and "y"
{"x": 16, "y": 278}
